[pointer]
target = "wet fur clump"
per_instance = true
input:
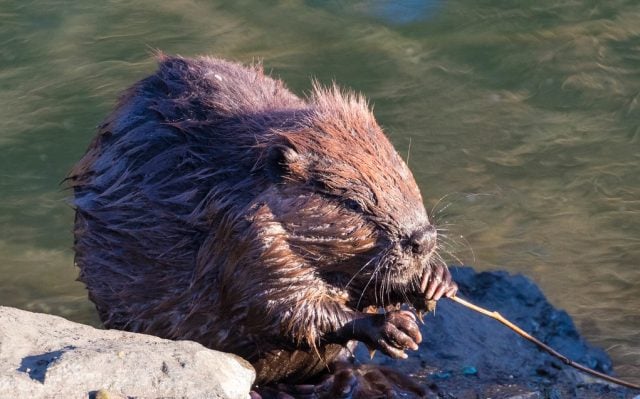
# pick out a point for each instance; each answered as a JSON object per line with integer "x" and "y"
{"x": 214, "y": 205}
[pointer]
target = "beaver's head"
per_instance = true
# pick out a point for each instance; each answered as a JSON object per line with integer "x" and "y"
{"x": 346, "y": 202}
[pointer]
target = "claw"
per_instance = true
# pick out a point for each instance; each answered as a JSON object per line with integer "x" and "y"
{"x": 372, "y": 352}
{"x": 420, "y": 315}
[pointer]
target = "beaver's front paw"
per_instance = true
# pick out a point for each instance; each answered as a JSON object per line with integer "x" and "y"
{"x": 392, "y": 333}
{"x": 436, "y": 282}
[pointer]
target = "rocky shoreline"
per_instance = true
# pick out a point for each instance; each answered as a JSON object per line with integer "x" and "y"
{"x": 463, "y": 355}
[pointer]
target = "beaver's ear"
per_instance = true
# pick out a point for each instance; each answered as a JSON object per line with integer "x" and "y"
{"x": 283, "y": 161}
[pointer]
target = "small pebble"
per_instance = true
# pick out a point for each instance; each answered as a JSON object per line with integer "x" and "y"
{"x": 469, "y": 370}
{"x": 443, "y": 375}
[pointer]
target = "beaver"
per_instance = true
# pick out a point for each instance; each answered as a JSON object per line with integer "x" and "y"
{"x": 215, "y": 205}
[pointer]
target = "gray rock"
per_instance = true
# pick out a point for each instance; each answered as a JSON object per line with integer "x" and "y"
{"x": 43, "y": 356}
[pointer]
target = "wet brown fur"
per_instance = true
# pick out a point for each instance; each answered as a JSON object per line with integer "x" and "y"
{"x": 214, "y": 205}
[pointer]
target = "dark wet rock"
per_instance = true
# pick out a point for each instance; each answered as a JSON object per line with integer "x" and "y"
{"x": 43, "y": 356}
{"x": 458, "y": 340}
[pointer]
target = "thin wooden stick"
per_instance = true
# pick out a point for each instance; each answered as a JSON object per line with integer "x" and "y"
{"x": 521, "y": 332}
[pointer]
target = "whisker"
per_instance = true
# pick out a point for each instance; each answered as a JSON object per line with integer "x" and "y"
{"x": 403, "y": 292}
{"x": 386, "y": 285}
{"x": 444, "y": 208}
{"x": 438, "y": 203}
{"x": 448, "y": 244}
{"x": 374, "y": 274}
{"x": 453, "y": 256}
{"x": 360, "y": 270}
{"x": 375, "y": 288}
{"x": 365, "y": 288}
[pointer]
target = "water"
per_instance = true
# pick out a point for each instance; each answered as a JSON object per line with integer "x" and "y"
{"x": 524, "y": 117}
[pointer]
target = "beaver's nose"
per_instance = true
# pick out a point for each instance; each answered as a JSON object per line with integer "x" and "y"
{"x": 423, "y": 240}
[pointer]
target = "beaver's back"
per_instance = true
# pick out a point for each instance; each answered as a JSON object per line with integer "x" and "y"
{"x": 166, "y": 165}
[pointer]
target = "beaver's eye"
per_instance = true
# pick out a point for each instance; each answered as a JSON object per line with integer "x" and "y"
{"x": 353, "y": 205}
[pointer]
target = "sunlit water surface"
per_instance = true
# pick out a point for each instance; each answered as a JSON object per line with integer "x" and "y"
{"x": 522, "y": 117}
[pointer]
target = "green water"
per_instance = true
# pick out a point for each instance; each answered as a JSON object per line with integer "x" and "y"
{"x": 524, "y": 116}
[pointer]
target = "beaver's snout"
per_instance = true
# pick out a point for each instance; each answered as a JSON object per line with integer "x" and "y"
{"x": 423, "y": 240}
